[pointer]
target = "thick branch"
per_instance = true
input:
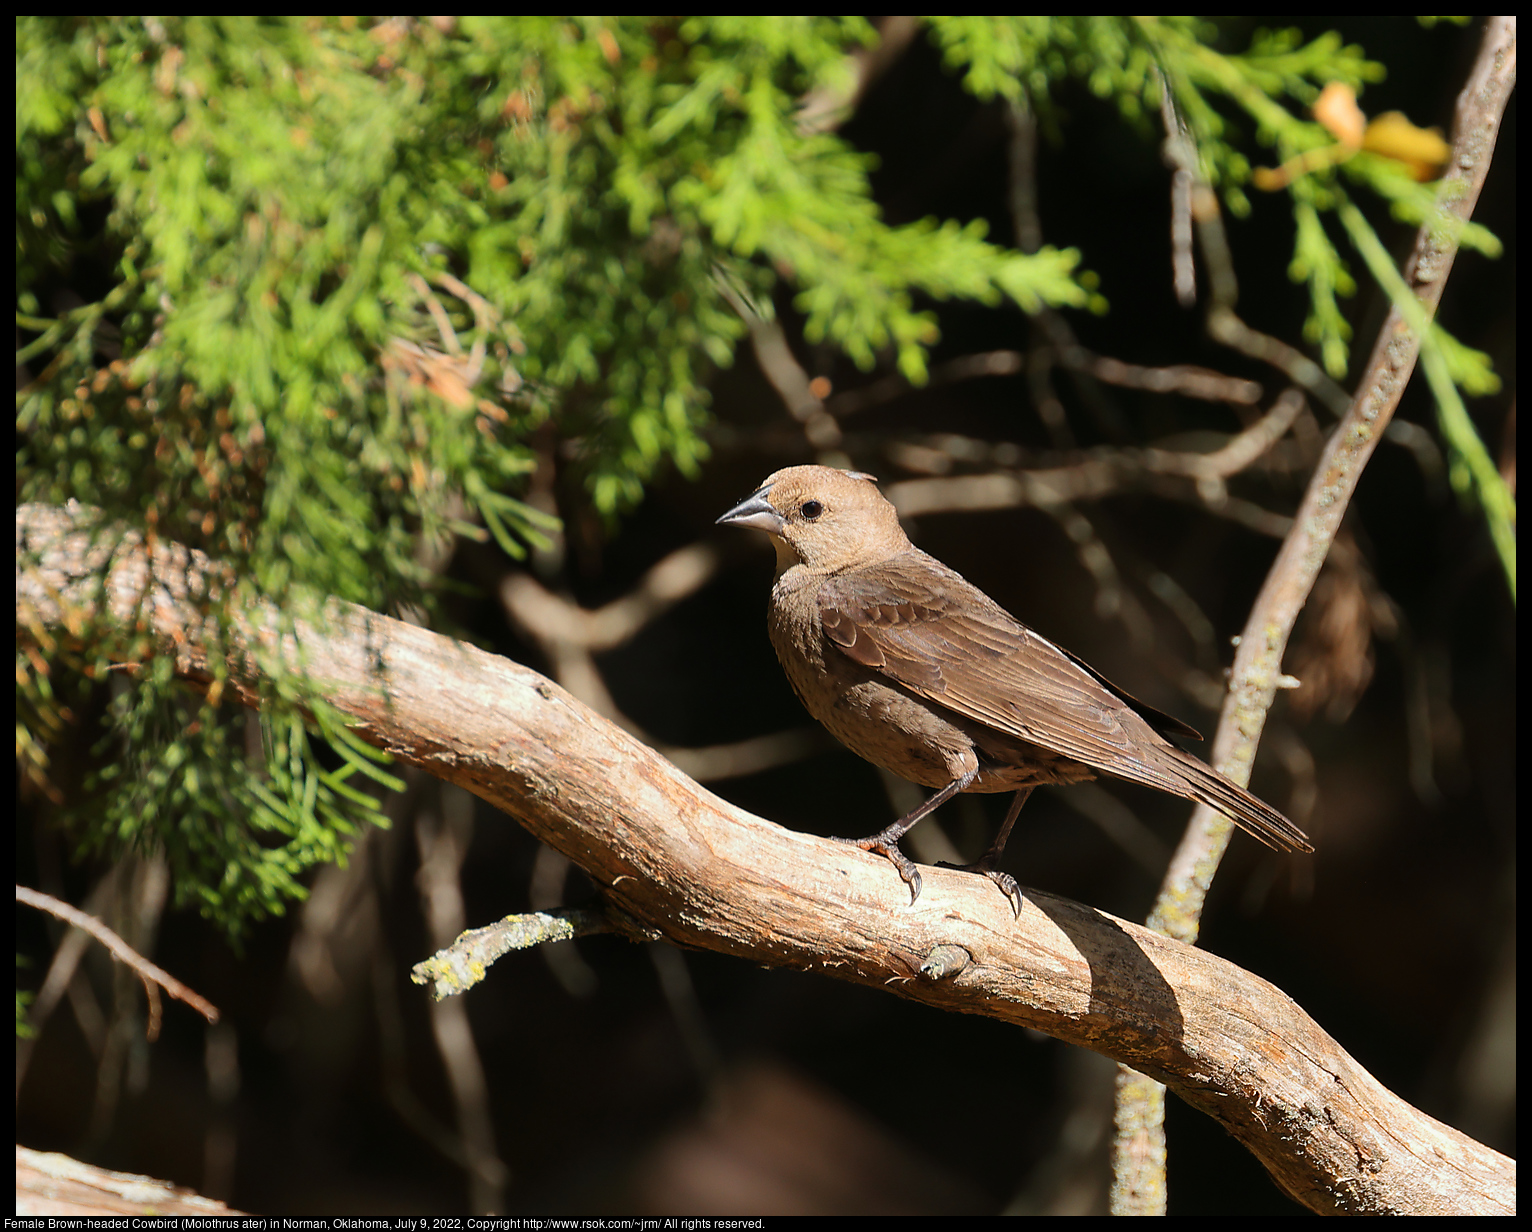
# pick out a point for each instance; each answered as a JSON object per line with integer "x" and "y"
{"x": 675, "y": 861}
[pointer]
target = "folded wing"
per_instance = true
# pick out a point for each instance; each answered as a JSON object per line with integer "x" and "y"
{"x": 928, "y": 629}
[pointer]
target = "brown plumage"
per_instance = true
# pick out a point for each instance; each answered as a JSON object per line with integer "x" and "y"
{"x": 920, "y": 672}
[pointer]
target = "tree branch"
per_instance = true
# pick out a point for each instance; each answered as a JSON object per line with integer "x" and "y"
{"x": 674, "y": 861}
{"x": 124, "y": 953}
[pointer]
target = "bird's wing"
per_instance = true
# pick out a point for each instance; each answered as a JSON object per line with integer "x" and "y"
{"x": 927, "y": 628}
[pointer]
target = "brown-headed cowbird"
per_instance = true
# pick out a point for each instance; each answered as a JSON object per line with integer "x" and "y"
{"x": 920, "y": 672}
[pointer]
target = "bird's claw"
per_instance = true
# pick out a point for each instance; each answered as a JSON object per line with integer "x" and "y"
{"x": 1005, "y": 881}
{"x": 891, "y": 853}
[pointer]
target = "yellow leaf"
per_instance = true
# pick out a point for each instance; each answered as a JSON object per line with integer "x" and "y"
{"x": 1422, "y": 150}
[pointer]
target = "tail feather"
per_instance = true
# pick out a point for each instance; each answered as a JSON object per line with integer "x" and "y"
{"x": 1254, "y": 816}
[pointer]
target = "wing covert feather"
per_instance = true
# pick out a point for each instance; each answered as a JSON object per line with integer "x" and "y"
{"x": 927, "y": 628}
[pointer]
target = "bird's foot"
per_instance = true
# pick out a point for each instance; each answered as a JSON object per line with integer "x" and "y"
{"x": 889, "y": 850}
{"x": 1005, "y": 881}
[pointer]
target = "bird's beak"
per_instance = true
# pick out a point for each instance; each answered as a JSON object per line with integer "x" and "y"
{"x": 755, "y": 511}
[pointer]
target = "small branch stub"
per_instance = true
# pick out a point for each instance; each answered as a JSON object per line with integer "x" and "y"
{"x": 945, "y": 961}
{"x": 467, "y": 960}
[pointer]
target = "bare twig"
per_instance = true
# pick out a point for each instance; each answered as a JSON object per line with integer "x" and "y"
{"x": 825, "y": 108}
{"x": 799, "y": 392}
{"x": 546, "y": 615}
{"x": 1257, "y": 672}
{"x": 124, "y": 953}
{"x": 1188, "y": 380}
{"x": 443, "y": 844}
{"x": 1257, "y": 666}
{"x": 1223, "y": 324}
{"x": 571, "y": 636}
{"x": 1100, "y": 472}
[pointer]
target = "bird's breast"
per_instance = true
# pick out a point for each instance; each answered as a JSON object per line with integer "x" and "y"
{"x": 870, "y": 715}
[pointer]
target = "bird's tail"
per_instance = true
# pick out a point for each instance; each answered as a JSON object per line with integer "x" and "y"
{"x": 1257, "y": 818}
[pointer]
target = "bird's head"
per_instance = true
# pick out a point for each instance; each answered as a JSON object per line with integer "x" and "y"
{"x": 825, "y": 518}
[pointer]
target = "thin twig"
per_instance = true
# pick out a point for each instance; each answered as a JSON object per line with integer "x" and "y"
{"x": 121, "y": 950}
{"x": 1257, "y": 672}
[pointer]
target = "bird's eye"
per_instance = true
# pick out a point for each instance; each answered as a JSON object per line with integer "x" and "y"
{"x": 811, "y": 509}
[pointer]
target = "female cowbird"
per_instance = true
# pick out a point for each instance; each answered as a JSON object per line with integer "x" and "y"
{"x": 920, "y": 672}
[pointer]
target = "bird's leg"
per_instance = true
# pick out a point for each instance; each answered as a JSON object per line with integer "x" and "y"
{"x": 886, "y": 841}
{"x": 985, "y": 864}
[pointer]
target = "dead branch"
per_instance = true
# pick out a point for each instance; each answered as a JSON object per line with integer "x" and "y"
{"x": 152, "y": 976}
{"x": 53, "y": 1185}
